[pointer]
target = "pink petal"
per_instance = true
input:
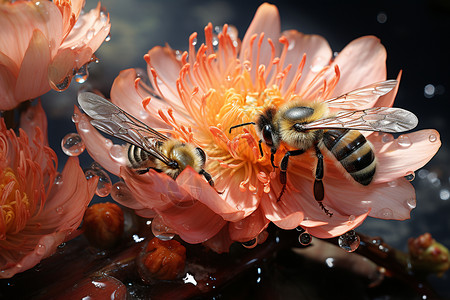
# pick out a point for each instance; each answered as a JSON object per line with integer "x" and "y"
{"x": 221, "y": 242}
{"x": 267, "y": 21}
{"x": 338, "y": 227}
{"x": 197, "y": 186}
{"x": 317, "y": 50}
{"x": 164, "y": 62}
{"x": 249, "y": 227}
{"x": 361, "y": 62}
{"x": 61, "y": 68}
{"x": 7, "y": 83}
{"x": 32, "y": 79}
{"x": 97, "y": 145}
{"x": 34, "y": 117}
{"x": 407, "y": 153}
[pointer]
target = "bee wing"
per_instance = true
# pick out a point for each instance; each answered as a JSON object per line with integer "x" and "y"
{"x": 111, "y": 119}
{"x": 386, "y": 119}
{"x": 362, "y": 97}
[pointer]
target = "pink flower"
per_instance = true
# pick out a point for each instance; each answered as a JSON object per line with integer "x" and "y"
{"x": 39, "y": 208}
{"x": 43, "y": 43}
{"x": 226, "y": 82}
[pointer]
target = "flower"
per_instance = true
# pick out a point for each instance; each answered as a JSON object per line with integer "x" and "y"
{"x": 225, "y": 82}
{"x": 43, "y": 44}
{"x": 39, "y": 208}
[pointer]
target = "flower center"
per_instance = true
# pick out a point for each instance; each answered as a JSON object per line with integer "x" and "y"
{"x": 14, "y": 204}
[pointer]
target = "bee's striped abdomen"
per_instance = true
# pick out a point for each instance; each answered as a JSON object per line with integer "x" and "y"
{"x": 137, "y": 157}
{"x": 353, "y": 151}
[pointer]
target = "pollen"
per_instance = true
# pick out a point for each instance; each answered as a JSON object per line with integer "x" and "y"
{"x": 14, "y": 204}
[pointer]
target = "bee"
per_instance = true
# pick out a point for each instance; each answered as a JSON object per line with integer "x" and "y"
{"x": 303, "y": 125}
{"x": 148, "y": 148}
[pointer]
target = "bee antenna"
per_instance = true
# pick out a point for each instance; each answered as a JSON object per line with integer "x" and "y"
{"x": 240, "y": 125}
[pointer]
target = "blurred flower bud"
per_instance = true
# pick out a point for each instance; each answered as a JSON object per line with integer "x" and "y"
{"x": 103, "y": 224}
{"x": 427, "y": 255}
{"x": 161, "y": 260}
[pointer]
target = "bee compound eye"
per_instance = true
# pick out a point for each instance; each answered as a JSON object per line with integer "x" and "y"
{"x": 267, "y": 134}
{"x": 201, "y": 154}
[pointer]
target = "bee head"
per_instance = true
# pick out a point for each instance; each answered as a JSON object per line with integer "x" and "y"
{"x": 267, "y": 130}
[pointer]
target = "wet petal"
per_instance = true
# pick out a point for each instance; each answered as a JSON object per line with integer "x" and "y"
{"x": 249, "y": 227}
{"x": 407, "y": 153}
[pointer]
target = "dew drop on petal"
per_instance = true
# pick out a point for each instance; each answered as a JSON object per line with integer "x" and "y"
{"x": 386, "y": 138}
{"x": 161, "y": 230}
{"x": 386, "y": 213}
{"x": 108, "y": 38}
{"x": 40, "y": 249}
{"x": 317, "y": 64}
{"x": 122, "y": 194}
{"x": 351, "y": 219}
{"x": 72, "y": 144}
{"x": 432, "y": 138}
{"x": 90, "y": 33}
{"x": 58, "y": 179}
{"x": 393, "y": 183}
{"x": 250, "y": 244}
{"x": 410, "y": 176}
{"x": 404, "y": 141}
{"x": 82, "y": 74}
{"x": 194, "y": 41}
{"x": 118, "y": 153}
{"x": 411, "y": 202}
{"x": 75, "y": 118}
{"x": 64, "y": 84}
{"x": 104, "y": 184}
{"x": 83, "y": 125}
{"x": 349, "y": 241}
{"x": 59, "y": 210}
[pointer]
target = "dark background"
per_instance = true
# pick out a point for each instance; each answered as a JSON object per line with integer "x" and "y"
{"x": 416, "y": 37}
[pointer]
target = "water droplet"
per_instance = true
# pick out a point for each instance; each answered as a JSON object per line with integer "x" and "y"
{"x": 349, "y": 241}
{"x": 90, "y": 33}
{"x": 59, "y": 210}
{"x": 82, "y": 74}
{"x": 304, "y": 239}
{"x": 104, "y": 184}
{"x": 432, "y": 138}
{"x": 393, "y": 183}
{"x": 404, "y": 141}
{"x": 64, "y": 84}
{"x": 108, "y": 37}
{"x": 72, "y": 144}
{"x": 178, "y": 55}
{"x": 351, "y": 219}
{"x": 386, "y": 138}
{"x": 411, "y": 202}
{"x": 444, "y": 194}
{"x": 75, "y": 118}
{"x": 250, "y": 244}
{"x": 122, "y": 194}
{"x": 118, "y": 153}
{"x": 84, "y": 125}
{"x": 161, "y": 230}
{"x": 410, "y": 176}
{"x": 58, "y": 179}
{"x": 291, "y": 45}
{"x": 194, "y": 42}
{"x": 40, "y": 249}
{"x": 386, "y": 213}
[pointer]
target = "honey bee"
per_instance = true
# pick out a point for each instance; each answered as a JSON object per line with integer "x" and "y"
{"x": 148, "y": 148}
{"x": 303, "y": 125}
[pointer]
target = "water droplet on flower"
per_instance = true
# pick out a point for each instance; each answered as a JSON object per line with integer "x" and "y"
{"x": 349, "y": 241}
{"x": 59, "y": 210}
{"x": 351, "y": 219}
{"x": 410, "y": 176}
{"x": 58, "y": 179}
{"x": 250, "y": 244}
{"x": 82, "y": 74}
{"x": 386, "y": 138}
{"x": 386, "y": 213}
{"x": 161, "y": 230}
{"x": 40, "y": 249}
{"x": 84, "y": 125}
{"x": 118, "y": 153}
{"x": 194, "y": 41}
{"x": 291, "y": 45}
{"x": 75, "y": 118}
{"x": 404, "y": 141}
{"x": 104, "y": 184}
{"x": 393, "y": 183}
{"x": 64, "y": 84}
{"x": 411, "y": 202}
{"x": 432, "y": 138}
{"x": 108, "y": 37}
{"x": 122, "y": 194}
{"x": 90, "y": 33}
{"x": 304, "y": 239}
{"x": 72, "y": 144}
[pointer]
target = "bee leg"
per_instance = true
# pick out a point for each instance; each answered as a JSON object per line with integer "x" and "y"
{"x": 260, "y": 148}
{"x": 208, "y": 178}
{"x": 272, "y": 157}
{"x": 283, "y": 168}
{"x": 142, "y": 171}
{"x": 319, "y": 191}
